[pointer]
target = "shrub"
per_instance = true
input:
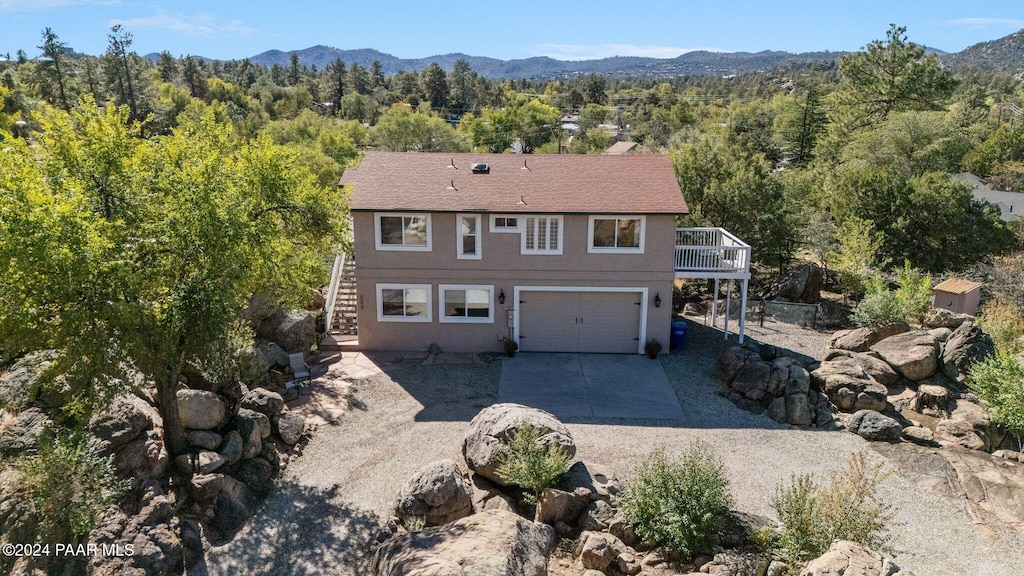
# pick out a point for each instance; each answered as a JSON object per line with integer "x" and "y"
{"x": 813, "y": 514}
{"x": 999, "y": 381}
{"x": 531, "y": 464}
{"x": 70, "y": 484}
{"x": 908, "y": 302}
{"x": 1004, "y": 322}
{"x": 680, "y": 501}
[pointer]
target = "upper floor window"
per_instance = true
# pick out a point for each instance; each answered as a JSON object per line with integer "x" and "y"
{"x": 468, "y": 236}
{"x": 620, "y": 234}
{"x": 542, "y": 235}
{"x": 505, "y": 223}
{"x": 402, "y": 231}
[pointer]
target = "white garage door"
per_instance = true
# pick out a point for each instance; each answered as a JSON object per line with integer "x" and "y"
{"x": 579, "y": 322}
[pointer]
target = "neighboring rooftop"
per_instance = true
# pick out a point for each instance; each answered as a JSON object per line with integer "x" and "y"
{"x": 957, "y": 286}
{"x": 1010, "y": 204}
{"x": 621, "y": 148}
{"x": 535, "y": 183}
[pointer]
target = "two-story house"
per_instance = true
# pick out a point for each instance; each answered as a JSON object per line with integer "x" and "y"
{"x": 557, "y": 252}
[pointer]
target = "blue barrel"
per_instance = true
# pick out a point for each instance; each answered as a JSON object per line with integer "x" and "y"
{"x": 678, "y": 335}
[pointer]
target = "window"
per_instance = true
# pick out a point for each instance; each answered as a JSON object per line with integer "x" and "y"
{"x": 402, "y": 231}
{"x": 403, "y": 302}
{"x": 505, "y": 223}
{"x": 620, "y": 234}
{"x": 469, "y": 304}
{"x": 468, "y": 236}
{"x": 542, "y": 235}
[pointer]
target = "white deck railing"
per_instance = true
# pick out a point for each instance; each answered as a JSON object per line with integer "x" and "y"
{"x": 332, "y": 290}
{"x": 710, "y": 250}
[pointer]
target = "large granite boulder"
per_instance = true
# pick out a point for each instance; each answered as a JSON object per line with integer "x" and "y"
{"x": 554, "y": 505}
{"x": 144, "y": 457}
{"x": 742, "y": 371}
{"x": 845, "y": 558}
{"x": 121, "y": 422}
{"x": 862, "y": 339}
{"x": 848, "y": 385}
{"x": 19, "y": 385}
{"x": 803, "y": 284}
{"x": 492, "y": 543}
{"x": 873, "y": 366}
{"x": 965, "y": 346}
{"x": 942, "y": 318}
{"x": 254, "y": 428}
{"x": 871, "y": 425}
{"x": 263, "y": 401}
{"x": 290, "y": 427}
{"x": 782, "y": 387}
{"x": 495, "y": 425}
{"x": 235, "y": 503}
{"x": 293, "y": 330}
{"x": 21, "y": 436}
{"x": 599, "y": 550}
{"x": 200, "y": 409}
{"x": 969, "y": 426}
{"x": 436, "y": 494}
{"x": 914, "y": 355}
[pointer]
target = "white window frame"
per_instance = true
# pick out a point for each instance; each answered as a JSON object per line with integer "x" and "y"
{"x": 517, "y": 229}
{"x": 442, "y": 288}
{"x": 458, "y": 237}
{"x": 642, "y": 231}
{"x": 380, "y": 303}
{"x": 400, "y": 247}
{"x": 527, "y": 231}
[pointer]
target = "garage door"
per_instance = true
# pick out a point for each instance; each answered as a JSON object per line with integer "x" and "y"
{"x": 579, "y": 322}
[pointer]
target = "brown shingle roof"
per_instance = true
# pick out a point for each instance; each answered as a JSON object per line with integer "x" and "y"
{"x": 957, "y": 286}
{"x": 552, "y": 183}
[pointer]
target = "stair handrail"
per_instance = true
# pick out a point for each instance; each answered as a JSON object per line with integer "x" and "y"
{"x": 332, "y": 290}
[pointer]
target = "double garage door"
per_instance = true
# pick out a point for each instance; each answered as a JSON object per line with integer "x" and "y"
{"x": 606, "y": 322}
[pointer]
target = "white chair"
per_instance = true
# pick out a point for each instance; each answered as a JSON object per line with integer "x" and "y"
{"x": 300, "y": 370}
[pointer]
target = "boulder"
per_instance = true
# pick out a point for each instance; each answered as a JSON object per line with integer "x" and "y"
{"x": 969, "y": 426}
{"x": 205, "y": 487}
{"x": 845, "y": 558}
{"x": 293, "y": 330}
{"x": 263, "y": 401}
{"x": 232, "y": 447}
{"x": 941, "y": 334}
{"x": 862, "y": 339}
{"x": 628, "y": 563}
{"x": 257, "y": 474}
{"x": 144, "y": 458}
{"x": 235, "y": 503}
{"x": 623, "y": 530}
{"x": 803, "y": 284}
{"x": 743, "y": 371}
{"x": 487, "y": 496}
{"x": 914, "y": 355}
{"x": 19, "y": 385}
{"x": 919, "y": 435}
{"x": 777, "y": 410}
{"x": 200, "y": 409}
{"x": 492, "y": 543}
{"x": 437, "y": 494}
{"x": 599, "y": 550}
{"x": 485, "y": 440}
{"x": 121, "y": 422}
{"x": 942, "y": 318}
{"x": 965, "y": 346}
{"x": 555, "y": 505}
{"x": 259, "y": 308}
{"x": 930, "y": 397}
{"x": 875, "y": 367}
{"x": 596, "y": 516}
{"x": 208, "y": 461}
{"x": 731, "y": 563}
{"x": 253, "y": 427}
{"x": 18, "y": 521}
{"x": 21, "y": 436}
{"x": 290, "y": 427}
{"x": 207, "y": 439}
{"x": 871, "y": 425}
{"x": 849, "y": 386}
{"x": 270, "y": 355}
{"x": 600, "y": 481}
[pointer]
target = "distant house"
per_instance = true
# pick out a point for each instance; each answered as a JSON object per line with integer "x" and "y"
{"x": 956, "y": 295}
{"x": 1010, "y": 204}
{"x": 568, "y": 253}
{"x": 621, "y": 148}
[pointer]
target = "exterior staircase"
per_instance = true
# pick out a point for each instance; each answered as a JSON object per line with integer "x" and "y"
{"x": 343, "y": 321}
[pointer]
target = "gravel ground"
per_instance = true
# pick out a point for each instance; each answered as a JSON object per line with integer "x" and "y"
{"x": 333, "y": 498}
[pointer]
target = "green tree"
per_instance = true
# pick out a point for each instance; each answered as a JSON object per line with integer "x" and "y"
{"x": 999, "y": 381}
{"x": 462, "y": 81}
{"x": 194, "y": 77}
{"x": 889, "y": 76}
{"x": 802, "y": 125}
{"x": 294, "y": 70}
{"x": 402, "y": 130}
{"x": 855, "y": 255}
{"x": 435, "y": 86}
{"x": 122, "y": 70}
{"x": 334, "y": 83}
{"x": 167, "y": 67}
{"x": 55, "y": 71}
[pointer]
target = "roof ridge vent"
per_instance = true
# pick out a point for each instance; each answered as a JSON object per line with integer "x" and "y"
{"x": 480, "y": 168}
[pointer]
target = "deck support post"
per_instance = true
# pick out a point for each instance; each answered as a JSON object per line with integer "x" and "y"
{"x": 714, "y": 306}
{"x": 728, "y": 301}
{"x": 743, "y": 309}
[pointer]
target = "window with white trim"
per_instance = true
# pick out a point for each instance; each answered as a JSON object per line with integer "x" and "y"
{"x": 619, "y": 234}
{"x": 506, "y": 223}
{"x": 398, "y": 231}
{"x": 466, "y": 303}
{"x": 468, "y": 236}
{"x": 403, "y": 303}
{"x": 542, "y": 235}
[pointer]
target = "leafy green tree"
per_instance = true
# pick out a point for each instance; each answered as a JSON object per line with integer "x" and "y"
{"x": 890, "y": 76}
{"x": 435, "y": 86}
{"x": 856, "y": 254}
{"x": 334, "y": 83}
{"x": 402, "y": 130}
{"x": 802, "y": 125}
{"x": 999, "y": 381}
{"x": 167, "y": 67}
{"x": 358, "y": 80}
{"x": 55, "y": 71}
{"x": 122, "y": 71}
{"x": 462, "y": 81}
{"x": 595, "y": 90}
{"x": 194, "y": 77}
{"x": 294, "y": 70}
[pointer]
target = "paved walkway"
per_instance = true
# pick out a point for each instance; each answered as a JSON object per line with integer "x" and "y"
{"x": 589, "y": 386}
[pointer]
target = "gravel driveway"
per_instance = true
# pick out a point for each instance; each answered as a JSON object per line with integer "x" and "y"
{"x": 333, "y": 498}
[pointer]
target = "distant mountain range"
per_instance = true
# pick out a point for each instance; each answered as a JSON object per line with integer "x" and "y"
{"x": 1004, "y": 55}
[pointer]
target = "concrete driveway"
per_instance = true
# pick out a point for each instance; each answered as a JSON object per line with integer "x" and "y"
{"x": 589, "y": 385}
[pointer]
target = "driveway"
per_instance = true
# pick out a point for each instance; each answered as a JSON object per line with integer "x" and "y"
{"x": 574, "y": 386}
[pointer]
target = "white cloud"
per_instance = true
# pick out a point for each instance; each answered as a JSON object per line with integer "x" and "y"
{"x": 42, "y": 5}
{"x": 202, "y": 24}
{"x": 980, "y": 23}
{"x": 596, "y": 51}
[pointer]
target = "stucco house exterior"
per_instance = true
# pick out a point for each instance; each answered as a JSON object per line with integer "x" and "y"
{"x": 556, "y": 252}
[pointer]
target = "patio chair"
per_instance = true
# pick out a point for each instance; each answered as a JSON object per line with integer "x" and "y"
{"x": 300, "y": 370}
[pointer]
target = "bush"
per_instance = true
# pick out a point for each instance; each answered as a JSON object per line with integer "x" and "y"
{"x": 908, "y": 302}
{"x": 847, "y": 507}
{"x": 1004, "y": 322}
{"x": 680, "y": 501}
{"x": 999, "y": 381}
{"x": 70, "y": 484}
{"x": 531, "y": 464}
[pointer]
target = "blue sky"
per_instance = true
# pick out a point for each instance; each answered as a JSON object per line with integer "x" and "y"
{"x": 575, "y": 30}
